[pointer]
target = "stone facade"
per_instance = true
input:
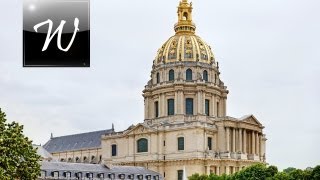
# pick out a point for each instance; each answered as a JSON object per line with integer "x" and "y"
{"x": 186, "y": 124}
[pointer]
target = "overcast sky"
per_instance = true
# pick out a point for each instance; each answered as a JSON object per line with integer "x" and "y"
{"x": 268, "y": 50}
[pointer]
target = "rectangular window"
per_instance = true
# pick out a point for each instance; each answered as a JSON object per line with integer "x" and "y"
{"x": 156, "y": 108}
{"x": 170, "y": 107}
{"x": 210, "y": 143}
{"x": 217, "y": 109}
{"x": 180, "y": 174}
{"x": 189, "y": 106}
{"x": 207, "y": 106}
{"x": 113, "y": 150}
{"x": 164, "y": 143}
{"x": 181, "y": 143}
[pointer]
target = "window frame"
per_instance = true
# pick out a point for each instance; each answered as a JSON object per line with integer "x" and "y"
{"x": 205, "y": 76}
{"x": 170, "y": 107}
{"x": 114, "y": 152}
{"x": 181, "y": 147}
{"x": 209, "y": 143}
{"x": 158, "y": 78}
{"x": 189, "y": 75}
{"x": 171, "y": 75}
{"x": 189, "y": 110}
{"x": 207, "y": 107}
{"x": 144, "y": 150}
{"x": 180, "y": 174}
{"x": 156, "y": 109}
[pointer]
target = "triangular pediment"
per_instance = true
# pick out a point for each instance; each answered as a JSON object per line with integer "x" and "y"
{"x": 139, "y": 129}
{"x": 251, "y": 120}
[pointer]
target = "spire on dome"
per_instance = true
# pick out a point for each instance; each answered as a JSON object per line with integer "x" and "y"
{"x": 185, "y": 24}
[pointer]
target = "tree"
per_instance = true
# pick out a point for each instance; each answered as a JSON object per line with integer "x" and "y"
{"x": 271, "y": 171}
{"x": 254, "y": 172}
{"x": 281, "y": 176}
{"x": 18, "y": 159}
{"x": 315, "y": 174}
{"x": 289, "y": 169}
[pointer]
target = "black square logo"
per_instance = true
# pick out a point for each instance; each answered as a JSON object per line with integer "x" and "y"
{"x": 56, "y": 33}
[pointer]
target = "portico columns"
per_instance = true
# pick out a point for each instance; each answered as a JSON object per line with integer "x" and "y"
{"x": 244, "y": 141}
{"x": 257, "y": 144}
{"x": 240, "y": 140}
{"x": 253, "y": 142}
{"x": 234, "y": 140}
{"x": 228, "y": 138}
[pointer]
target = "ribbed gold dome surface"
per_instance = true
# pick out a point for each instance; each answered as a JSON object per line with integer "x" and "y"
{"x": 184, "y": 45}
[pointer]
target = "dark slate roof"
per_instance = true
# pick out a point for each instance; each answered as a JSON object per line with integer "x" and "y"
{"x": 96, "y": 169}
{"x": 88, "y": 140}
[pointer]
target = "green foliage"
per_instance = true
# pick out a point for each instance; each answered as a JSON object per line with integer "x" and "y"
{"x": 315, "y": 174}
{"x": 281, "y": 176}
{"x": 254, "y": 172}
{"x": 271, "y": 171}
{"x": 18, "y": 160}
{"x": 263, "y": 172}
{"x": 289, "y": 169}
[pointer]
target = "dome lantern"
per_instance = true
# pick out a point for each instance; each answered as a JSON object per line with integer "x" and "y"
{"x": 185, "y": 24}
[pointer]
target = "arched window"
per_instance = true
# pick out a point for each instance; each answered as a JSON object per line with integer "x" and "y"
{"x": 171, "y": 75}
{"x": 142, "y": 145}
{"x": 189, "y": 75}
{"x": 180, "y": 143}
{"x": 158, "y": 78}
{"x": 185, "y": 16}
{"x": 189, "y": 106}
{"x": 170, "y": 107}
{"x": 205, "y": 75}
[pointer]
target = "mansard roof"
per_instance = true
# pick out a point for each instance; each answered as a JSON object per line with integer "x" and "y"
{"x": 89, "y": 140}
{"x": 95, "y": 169}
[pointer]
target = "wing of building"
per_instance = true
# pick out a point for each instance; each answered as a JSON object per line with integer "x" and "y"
{"x": 186, "y": 129}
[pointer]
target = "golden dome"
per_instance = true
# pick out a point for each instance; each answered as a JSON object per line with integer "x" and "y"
{"x": 184, "y": 45}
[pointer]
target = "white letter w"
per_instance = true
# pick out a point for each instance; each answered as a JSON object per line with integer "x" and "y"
{"x": 60, "y": 28}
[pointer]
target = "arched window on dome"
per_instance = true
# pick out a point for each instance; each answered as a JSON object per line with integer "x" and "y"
{"x": 158, "y": 78}
{"x": 171, "y": 75}
{"x": 205, "y": 75}
{"x": 189, "y": 75}
{"x": 142, "y": 145}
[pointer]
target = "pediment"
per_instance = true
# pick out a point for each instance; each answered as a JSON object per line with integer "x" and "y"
{"x": 140, "y": 129}
{"x": 251, "y": 120}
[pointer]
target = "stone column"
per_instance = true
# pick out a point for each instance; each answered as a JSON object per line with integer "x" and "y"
{"x": 257, "y": 144}
{"x": 240, "y": 140}
{"x": 146, "y": 106}
{"x": 244, "y": 141}
{"x": 234, "y": 140}
{"x": 162, "y": 103}
{"x": 228, "y": 139}
{"x": 253, "y": 142}
{"x": 227, "y": 170}
{"x": 176, "y": 102}
{"x": 181, "y": 106}
{"x": 207, "y": 169}
{"x": 213, "y": 106}
{"x": 199, "y": 104}
{"x": 218, "y": 170}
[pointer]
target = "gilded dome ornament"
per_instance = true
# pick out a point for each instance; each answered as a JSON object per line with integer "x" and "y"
{"x": 185, "y": 45}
